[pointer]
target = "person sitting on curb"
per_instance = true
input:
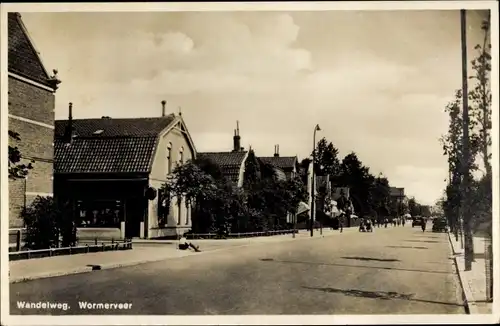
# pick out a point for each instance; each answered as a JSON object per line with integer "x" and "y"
{"x": 184, "y": 245}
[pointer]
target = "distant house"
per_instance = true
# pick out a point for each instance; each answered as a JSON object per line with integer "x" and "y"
{"x": 106, "y": 167}
{"x": 231, "y": 163}
{"x": 287, "y": 164}
{"x": 31, "y": 103}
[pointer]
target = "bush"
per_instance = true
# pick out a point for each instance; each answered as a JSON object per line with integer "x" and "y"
{"x": 41, "y": 219}
{"x": 46, "y": 223}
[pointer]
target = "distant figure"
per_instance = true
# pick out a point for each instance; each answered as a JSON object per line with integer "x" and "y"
{"x": 423, "y": 224}
{"x": 403, "y": 221}
{"x": 184, "y": 245}
{"x": 341, "y": 222}
{"x": 386, "y": 222}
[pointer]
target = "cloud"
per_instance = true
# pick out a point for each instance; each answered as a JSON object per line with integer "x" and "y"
{"x": 376, "y": 82}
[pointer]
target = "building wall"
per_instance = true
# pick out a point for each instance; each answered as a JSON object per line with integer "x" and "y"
{"x": 31, "y": 114}
{"x": 177, "y": 222}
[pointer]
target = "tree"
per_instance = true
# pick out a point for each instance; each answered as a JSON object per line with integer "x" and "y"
{"x": 452, "y": 148}
{"x": 197, "y": 187}
{"x": 252, "y": 170}
{"x": 41, "y": 219}
{"x": 326, "y": 159}
{"x": 480, "y": 97}
{"x": 16, "y": 168}
{"x": 381, "y": 196}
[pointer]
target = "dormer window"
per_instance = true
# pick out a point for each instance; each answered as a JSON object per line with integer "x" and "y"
{"x": 98, "y": 132}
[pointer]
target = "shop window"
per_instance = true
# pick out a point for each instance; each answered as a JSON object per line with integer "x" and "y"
{"x": 99, "y": 214}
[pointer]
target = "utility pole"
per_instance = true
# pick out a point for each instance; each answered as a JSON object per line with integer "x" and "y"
{"x": 465, "y": 209}
{"x": 313, "y": 186}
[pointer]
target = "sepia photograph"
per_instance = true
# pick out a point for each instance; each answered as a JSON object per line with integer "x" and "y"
{"x": 249, "y": 163}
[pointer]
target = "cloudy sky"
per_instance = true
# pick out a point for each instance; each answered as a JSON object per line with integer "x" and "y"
{"x": 376, "y": 82}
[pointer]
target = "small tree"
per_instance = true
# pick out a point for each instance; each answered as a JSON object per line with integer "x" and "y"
{"x": 41, "y": 220}
{"x": 16, "y": 168}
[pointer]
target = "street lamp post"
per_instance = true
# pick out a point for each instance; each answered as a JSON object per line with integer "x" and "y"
{"x": 313, "y": 186}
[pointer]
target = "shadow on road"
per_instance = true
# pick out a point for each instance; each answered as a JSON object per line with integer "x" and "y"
{"x": 406, "y": 247}
{"x": 427, "y": 241}
{"x": 379, "y": 295}
{"x": 355, "y": 266}
{"x": 371, "y": 259}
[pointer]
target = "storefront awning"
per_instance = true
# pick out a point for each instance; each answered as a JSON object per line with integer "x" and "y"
{"x": 303, "y": 207}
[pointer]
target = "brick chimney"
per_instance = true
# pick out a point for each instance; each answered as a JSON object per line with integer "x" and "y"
{"x": 163, "y": 103}
{"x": 237, "y": 139}
{"x": 69, "y": 127}
{"x": 276, "y": 150}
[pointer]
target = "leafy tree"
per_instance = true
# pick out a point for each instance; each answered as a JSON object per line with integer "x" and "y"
{"x": 480, "y": 97}
{"x": 252, "y": 170}
{"x": 326, "y": 159}
{"x": 358, "y": 178}
{"x": 413, "y": 207}
{"x": 16, "y": 168}
{"x": 381, "y": 196}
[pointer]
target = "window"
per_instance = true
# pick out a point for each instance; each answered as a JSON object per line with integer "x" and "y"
{"x": 163, "y": 207}
{"x": 181, "y": 156}
{"x": 101, "y": 214}
{"x": 169, "y": 158}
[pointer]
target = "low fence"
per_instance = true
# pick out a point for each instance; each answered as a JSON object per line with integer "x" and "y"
{"x": 40, "y": 253}
{"x": 239, "y": 235}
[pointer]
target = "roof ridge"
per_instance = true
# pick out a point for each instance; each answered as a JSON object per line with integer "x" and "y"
{"x": 115, "y": 119}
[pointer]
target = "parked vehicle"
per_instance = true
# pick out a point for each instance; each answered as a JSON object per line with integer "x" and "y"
{"x": 439, "y": 225}
{"x": 417, "y": 221}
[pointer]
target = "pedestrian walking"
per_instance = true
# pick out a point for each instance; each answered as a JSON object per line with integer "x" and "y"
{"x": 386, "y": 222}
{"x": 341, "y": 222}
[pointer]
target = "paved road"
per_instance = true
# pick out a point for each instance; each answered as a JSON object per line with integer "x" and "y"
{"x": 395, "y": 270}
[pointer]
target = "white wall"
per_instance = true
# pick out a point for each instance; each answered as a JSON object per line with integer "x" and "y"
{"x": 177, "y": 141}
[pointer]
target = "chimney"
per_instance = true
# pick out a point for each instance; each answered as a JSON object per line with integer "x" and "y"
{"x": 276, "y": 150}
{"x": 237, "y": 138}
{"x": 163, "y": 103}
{"x": 69, "y": 126}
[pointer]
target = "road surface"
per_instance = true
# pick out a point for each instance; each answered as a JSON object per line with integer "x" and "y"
{"x": 398, "y": 270}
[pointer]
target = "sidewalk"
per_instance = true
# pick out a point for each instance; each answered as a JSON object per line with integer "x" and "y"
{"x": 143, "y": 251}
{"x": 474, "y": 281}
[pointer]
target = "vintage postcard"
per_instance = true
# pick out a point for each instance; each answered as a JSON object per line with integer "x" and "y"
{"x": 249, "y": 163}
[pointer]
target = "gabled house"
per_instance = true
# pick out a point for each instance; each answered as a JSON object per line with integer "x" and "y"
{"x": 31, "y": 103}
{"x": 111, "y": 170}
{"x": 287, "y": 164}
{"x": 231, "y": 163}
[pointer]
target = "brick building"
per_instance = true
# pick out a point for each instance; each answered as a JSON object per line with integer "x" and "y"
{"x": 31, "y": 114}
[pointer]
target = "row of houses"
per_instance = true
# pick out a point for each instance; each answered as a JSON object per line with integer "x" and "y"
{"x": 104, "y": 167}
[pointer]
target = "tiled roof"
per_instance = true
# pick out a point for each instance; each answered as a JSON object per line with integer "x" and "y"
{"x": 22, "y": 56}
{"x": 229, "y": 162}
{"x": 136, "y": 127}
{"x": 123, "y": 146}
{"x": 286, "y": 163}
{"x": 104, "y": 155}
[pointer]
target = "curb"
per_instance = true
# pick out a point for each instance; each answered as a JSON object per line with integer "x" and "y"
{"x": 470, "y": 307}
{"x": 87, "y": 269}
